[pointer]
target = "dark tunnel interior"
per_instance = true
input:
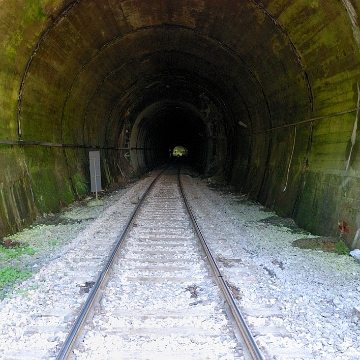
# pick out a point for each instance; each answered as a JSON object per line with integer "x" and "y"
{"x": 172, "y": 126}
{"x": 263, "y": 94}
{"x": 177, "y": 111}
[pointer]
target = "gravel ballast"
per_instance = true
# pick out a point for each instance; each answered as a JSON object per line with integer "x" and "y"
{"x": 312, "y": 296}
{"x": 317, "y": 292}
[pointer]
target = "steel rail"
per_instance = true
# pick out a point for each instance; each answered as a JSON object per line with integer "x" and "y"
{"x": 239, "y": 319}
{"x": 95, "y": 293}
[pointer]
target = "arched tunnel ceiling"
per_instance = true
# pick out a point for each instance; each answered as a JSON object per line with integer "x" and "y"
{"x": 107, "y": 51}
{"x": 265, "y": 91}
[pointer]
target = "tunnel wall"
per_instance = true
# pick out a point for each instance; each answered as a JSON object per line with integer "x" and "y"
{"x": 17, "y": 202}
{"x": 287, "y": 71}
{"x": 321, "y": 188}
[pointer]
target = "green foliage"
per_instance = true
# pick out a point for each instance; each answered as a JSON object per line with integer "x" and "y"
{"x": 107, "y": 173}
{"x": 10, "y": 274}
{"x": 81, "y": 185}
{"x": 341, "y": 248}
{"x": 16, "y": 251}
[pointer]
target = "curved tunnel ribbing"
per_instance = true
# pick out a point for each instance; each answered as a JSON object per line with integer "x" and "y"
{"x": 262, "y": 94}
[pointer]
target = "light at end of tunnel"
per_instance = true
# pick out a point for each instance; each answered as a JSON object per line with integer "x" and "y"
{"x": 179, "y": 151}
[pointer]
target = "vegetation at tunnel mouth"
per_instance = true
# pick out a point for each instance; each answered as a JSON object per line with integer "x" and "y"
{"x": 10, "y": 274}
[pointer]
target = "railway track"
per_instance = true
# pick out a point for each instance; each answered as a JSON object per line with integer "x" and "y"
{"x": 158, "y": 295}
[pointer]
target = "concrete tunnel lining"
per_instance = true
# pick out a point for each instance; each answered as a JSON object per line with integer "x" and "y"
{"x": 279, "y": 77}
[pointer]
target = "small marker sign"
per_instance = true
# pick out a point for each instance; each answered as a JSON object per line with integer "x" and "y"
{"x": 95, "y": 172}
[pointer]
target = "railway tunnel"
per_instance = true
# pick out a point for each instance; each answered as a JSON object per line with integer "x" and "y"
{"x": 263, "y": 94}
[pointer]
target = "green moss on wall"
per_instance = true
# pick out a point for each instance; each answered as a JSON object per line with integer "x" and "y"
{"x": 16, "y": 207}
{"x": 44, "y": 188}
{"x": 47, "y": 196}
{"x": 81, "y": 184}
{"x": 38, "y": 9}
{"x": 51, "y": 188}
{"x": 21, "y": 18}
{"x": 77, "y": 164}
{"x": 13, "y": 43}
